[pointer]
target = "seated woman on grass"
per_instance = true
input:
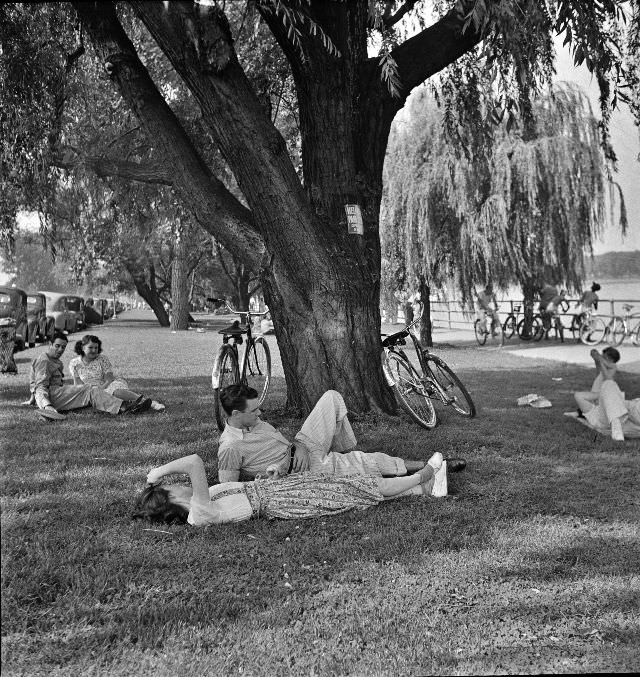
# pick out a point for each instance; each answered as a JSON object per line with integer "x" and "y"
{"x": 299, "y": 496}
{"x": 93, "y": 368}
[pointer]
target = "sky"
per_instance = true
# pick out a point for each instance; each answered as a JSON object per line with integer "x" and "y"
{"x": 626, "y": 143}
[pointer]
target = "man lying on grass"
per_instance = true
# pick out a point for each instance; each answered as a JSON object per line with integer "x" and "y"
{"x": 300, "y": 496}
{"x": 604, "y": 405}
{"x": 325, "y": 444}
{"x": 52, "y": 396}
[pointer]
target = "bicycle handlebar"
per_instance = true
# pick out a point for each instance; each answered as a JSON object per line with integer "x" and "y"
{"x": 236, "y": 311}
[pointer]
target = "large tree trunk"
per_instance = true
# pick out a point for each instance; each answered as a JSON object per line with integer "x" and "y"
{"x": 179, "y": 286}
{"x": 426, "y": 335}
{"x": 145, "y": 283}
{"x": 321, "y": 284}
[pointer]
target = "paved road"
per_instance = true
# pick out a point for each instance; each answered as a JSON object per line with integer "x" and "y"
{"x": 570, "y": 352}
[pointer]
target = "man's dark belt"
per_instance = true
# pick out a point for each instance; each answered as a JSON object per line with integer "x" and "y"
{"x": 293, "y": 453}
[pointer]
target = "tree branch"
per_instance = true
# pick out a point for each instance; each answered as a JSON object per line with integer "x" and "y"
{"x": 213, "y": 206}
{"x": 155, "y": 173}
{"x": 390, "y": 20}
{"x": 433, "y": 49}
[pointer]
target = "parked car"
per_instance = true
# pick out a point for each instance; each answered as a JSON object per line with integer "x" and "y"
{"x": 40, "y": 326}
{"x": 58, "y": 307}
{"x": 13, "y": 309}
{"x": 75, "y": 305}
{"x": 92, "y": 311}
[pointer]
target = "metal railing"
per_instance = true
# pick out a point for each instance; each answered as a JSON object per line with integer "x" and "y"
{"x": 451, "y": 314}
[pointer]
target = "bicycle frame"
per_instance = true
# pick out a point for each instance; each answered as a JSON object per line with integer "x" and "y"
{"x": 427, "y": 377}
{"x": 248, "y": 342}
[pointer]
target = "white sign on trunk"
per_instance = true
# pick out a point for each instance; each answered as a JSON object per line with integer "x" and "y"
{"x": 354, "y": 220}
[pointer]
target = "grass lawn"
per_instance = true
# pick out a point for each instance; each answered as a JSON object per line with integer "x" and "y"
{"x": 531, "y": 565}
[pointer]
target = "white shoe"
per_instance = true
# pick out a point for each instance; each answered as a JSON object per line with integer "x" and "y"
{"x": 157, "y": 406}
{"x": 440, "y": 487}
{"x": 436, "y": 461}
{"x": 616, "y": 430}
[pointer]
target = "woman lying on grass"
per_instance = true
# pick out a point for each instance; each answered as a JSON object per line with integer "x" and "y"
{"x": 93, "y": 368}
{"x": 299, "y": 496}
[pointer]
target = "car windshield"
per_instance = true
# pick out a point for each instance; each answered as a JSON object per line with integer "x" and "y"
{"x": 73, "y": 304}
{"x": 34, "y": 302}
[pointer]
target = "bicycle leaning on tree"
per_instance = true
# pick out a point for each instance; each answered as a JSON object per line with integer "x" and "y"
{"x": 417, "y": 390}
{"x": 253, "y": 368}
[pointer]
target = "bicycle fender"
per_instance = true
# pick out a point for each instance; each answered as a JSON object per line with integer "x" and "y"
{"x": 387, "y": 374}
{"x": 214, "y": 374}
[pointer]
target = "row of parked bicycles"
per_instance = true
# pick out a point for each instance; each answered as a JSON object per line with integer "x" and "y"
{"x": 586, "y": 327}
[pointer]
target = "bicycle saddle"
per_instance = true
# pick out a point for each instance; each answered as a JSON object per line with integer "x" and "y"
{"x": 395, "y": 339}
{"x": 234, "y": 330}
{"x": 626, "y": 307}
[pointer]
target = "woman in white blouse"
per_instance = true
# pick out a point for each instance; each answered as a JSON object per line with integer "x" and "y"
{"x": 299, "y": 496}
{"x": 92, "y": 367}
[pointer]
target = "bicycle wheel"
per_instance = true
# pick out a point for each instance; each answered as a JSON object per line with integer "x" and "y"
{"x": 616, "y": 331}
{"x": 457, "y": 396}
{"x": 410, "y": 392}
{"x": 535, "y": 331}
{"x": 481, "y": 334}
{"x": 635, "y": 334}
{"x": 576, "y": 323}
{"x": 258, "y": 369}
{"x": 225, "y": 373}
{"x": 592, "y": 331}
{"x": 510, "y": 326}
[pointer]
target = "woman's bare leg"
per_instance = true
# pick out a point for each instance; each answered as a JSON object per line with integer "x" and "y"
{"x": 126, "y": 395}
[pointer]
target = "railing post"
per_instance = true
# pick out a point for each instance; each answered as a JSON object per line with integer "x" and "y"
{"x": 449, "y": 313}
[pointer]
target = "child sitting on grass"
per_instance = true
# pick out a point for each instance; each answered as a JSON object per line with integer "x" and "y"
{"x": 604, "y": 405}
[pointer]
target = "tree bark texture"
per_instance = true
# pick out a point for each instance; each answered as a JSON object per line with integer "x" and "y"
{"x": 321, "y": 284}
{"x": 179, "y": 286}
{"x": 144, "y": 281}
{"x": 426, "y": 335}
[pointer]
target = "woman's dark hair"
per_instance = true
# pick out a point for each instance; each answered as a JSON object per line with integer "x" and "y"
{"x": 236, "y": 396}
{"x": 87, "y": 338}
{"x": 154, "y": 505}
{"x": 595, "y": 287}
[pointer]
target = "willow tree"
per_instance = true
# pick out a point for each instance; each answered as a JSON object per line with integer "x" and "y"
{"x": 524, "y": 204}
{"x": 321, "y": 283}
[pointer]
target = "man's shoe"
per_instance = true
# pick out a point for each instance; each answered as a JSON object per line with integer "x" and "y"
{"x": 52, "y": 415}
{"x": 141, "y": 405}
{"x": 456, "y": 464}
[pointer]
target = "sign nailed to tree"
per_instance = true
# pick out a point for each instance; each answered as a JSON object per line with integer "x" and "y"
{"x": 354, "y": 220}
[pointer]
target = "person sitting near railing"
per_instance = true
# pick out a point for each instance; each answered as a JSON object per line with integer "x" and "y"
{"x": 588, "y": 302}
{"x": 551, "y": 315}
{"x": 488, "y": 307}
{"x": 604, "y": 406}
{"x": 325, "y": 444}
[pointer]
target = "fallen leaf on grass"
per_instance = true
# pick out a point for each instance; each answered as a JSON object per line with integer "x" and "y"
{"x": 252, "y": 537}
{"x": 159, "y": 531}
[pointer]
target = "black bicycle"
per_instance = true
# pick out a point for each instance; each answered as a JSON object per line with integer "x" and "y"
{"x": 417, "y": 391}
{"x": 253, "y": 369}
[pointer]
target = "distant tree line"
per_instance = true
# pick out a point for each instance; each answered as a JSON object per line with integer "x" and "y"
{"x": 615, "y": 265}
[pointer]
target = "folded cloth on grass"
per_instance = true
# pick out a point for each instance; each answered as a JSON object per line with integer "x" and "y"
{"x": 534, "y": 400}
{"x": 603, "y": 431}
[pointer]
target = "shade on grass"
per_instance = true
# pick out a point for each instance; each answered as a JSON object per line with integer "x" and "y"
{"x": 530, "y": 566}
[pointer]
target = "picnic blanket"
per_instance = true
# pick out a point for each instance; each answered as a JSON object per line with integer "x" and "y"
{"x": 603, "y": 431}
